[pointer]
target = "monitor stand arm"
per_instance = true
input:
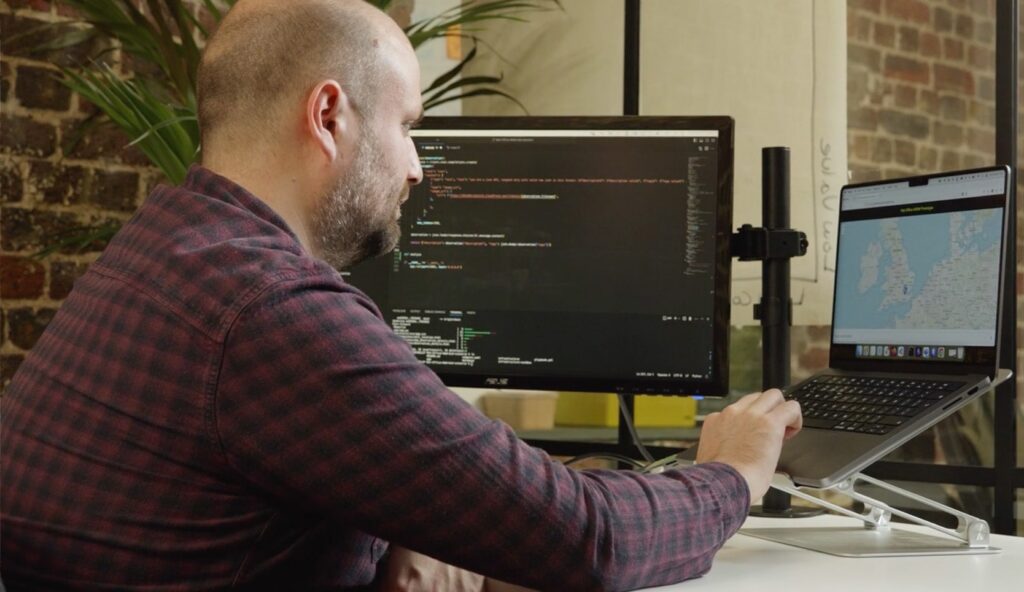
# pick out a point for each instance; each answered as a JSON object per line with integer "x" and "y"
{"x": 971, "y": 531}
{"x": 773, "y": 245}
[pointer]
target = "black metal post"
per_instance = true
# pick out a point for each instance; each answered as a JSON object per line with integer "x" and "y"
{"x": 776, "y": 308}
{"x": 630, "y": 106}
{"x": 776, "y": 316}
{"x": 626, "y": 445}
{"x": 1007, "y": 46}
{"x": 631, "y": 64}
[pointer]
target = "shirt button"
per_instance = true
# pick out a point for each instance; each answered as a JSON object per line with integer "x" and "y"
{"x": 377, "y": 549}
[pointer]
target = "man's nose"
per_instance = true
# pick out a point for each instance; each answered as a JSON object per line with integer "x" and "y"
{"x": 416, "y": 170}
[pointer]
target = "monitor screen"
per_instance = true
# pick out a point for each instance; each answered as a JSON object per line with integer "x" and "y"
{"x": 585, "y": 254}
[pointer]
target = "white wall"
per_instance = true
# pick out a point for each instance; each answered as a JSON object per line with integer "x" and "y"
{"x": 432, "y": 55}
{"x": 777, "y": 66}
{"x": 558, "y": 63}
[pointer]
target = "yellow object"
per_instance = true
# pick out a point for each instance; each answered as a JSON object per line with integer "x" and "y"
{"x": 453, "y": 42}
{"x": 596, "y": 409}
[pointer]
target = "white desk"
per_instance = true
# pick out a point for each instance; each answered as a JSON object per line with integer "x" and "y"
{"x": 747, "y": 564}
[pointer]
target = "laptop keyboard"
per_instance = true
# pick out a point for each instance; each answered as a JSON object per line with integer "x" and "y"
{"x": 870, "y": 405}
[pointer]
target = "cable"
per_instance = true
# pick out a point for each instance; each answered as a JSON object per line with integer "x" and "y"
{"x": 663, "y": 464}
{"x": 632, "y": 430}
{"x": 608, "y": 456}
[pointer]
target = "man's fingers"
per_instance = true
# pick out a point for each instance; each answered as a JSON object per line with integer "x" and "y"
{"x": 745, "y": 401}
{"x": 766, "y": 401}
{"x": 788, "y": 413}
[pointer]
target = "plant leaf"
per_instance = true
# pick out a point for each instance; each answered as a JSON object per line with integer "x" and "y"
{"x": 453, "y": 72}
{"x": 473, "y": 12}
{"x": 78, "y": 238}
{"x": 183, "y": 19}
{"x": 474, "y": 93}
{"x": 163, "y": 124}
{"x": 78, "y": 132}
{"x": 66, "y": 40}
{"x": 214, "y": 10}
{"x": 468, "y": 81}
{"x": 136, "y": 110}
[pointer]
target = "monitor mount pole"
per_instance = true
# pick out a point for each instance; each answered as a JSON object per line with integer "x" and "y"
{"x": 774, "y": 245}
{"x": 630, "y": 106}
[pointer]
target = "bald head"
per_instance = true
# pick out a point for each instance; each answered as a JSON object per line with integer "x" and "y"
{"x": 266, "y": 54}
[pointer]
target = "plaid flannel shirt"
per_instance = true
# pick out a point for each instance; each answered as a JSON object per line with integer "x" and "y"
{"x": 213, "y": 407}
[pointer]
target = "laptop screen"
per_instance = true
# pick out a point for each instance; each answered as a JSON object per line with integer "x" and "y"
{"x": 918, "y": 270}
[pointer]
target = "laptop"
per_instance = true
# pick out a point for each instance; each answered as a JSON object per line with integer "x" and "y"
{"x": 915, "y": 319}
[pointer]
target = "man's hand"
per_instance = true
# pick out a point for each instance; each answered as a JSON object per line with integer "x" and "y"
{"x": 748, "y": 436}
{"x": 408, "y": 571}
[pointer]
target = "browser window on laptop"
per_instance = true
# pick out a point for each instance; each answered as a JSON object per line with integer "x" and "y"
{"x": 919, "y": 270}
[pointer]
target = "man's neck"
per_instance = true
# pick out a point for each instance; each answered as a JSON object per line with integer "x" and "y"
{"x": 282, "y": 191}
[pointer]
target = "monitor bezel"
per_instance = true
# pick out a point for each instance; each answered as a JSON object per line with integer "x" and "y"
{"x": 718, "y": 383}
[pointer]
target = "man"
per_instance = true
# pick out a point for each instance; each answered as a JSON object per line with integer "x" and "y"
{"x": 213, "y": 406}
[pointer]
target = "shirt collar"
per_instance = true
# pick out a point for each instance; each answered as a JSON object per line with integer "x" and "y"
{"x": 200, "y": 179}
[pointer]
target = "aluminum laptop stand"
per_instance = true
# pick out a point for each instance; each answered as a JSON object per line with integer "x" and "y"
{"x": 876, "y": 538}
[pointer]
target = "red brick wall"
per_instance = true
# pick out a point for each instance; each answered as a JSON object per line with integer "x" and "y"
{"x": 47, "y": 185}
{"x": 921, "y": 85}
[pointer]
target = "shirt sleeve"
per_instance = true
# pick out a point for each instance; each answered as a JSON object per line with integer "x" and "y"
{"x": 323, "y": 407}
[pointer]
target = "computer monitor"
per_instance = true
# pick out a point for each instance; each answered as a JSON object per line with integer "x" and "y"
{"x": 582, "y": 253}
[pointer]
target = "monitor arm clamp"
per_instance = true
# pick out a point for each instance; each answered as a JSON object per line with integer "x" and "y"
{"x": 759, "y": 244}
{"x": 765, "y": 244}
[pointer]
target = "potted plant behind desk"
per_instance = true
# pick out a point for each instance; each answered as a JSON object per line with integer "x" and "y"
{"x": 154, "y": 102}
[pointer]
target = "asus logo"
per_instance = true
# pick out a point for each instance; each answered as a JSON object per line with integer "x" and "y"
{"x": 496, "y": 381}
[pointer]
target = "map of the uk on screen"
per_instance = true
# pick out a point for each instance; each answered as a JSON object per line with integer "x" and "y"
{"x": 920, "y": 278}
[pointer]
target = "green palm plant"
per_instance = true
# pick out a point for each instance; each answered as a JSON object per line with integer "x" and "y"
{"x": 156, "y": 106}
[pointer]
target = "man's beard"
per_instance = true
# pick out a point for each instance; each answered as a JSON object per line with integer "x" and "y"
{"x": 356, "y": 218}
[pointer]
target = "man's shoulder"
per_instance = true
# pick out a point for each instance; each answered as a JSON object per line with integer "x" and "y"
{"x": 206, "y": 256}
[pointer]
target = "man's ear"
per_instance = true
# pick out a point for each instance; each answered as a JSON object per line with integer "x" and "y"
{"x": 327, "y": 114}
